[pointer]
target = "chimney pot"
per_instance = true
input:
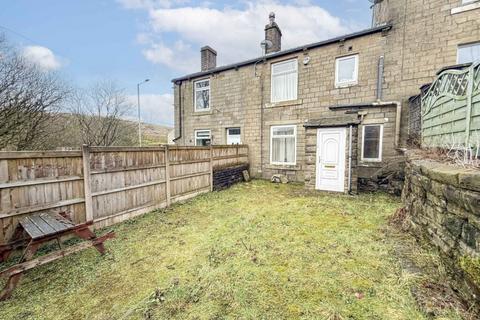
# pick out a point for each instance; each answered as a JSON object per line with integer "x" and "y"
{"x": 208, "y": 58}
{"x": 273, "y": 35}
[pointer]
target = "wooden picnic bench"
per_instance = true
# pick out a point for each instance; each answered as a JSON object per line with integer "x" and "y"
{"x": 35, "y": 230}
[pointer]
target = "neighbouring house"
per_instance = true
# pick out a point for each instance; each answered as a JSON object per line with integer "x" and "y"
{"x": 331, "y": 113}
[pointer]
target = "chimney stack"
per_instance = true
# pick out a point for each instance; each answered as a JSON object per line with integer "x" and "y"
{"x": 273, "y": 35}
{"x": 209, "y": 58}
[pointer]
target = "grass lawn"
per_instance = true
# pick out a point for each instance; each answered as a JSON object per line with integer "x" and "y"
{"x": 255, "y": 251}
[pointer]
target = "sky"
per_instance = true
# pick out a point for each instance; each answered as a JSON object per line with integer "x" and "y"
{"x": 127, "y": 41}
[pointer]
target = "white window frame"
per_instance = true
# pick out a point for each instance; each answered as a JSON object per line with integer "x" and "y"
{"x": 240, "y": 135}
{"x": 202, "y": 89}
{"x": 348, "y": 83}
{"x": 272, "y": 75}
{"x": 380, "y": 147}
{"x": 202, "y": 130}
{"x": 295, "y": 144}
{"x": 466, "y": 45}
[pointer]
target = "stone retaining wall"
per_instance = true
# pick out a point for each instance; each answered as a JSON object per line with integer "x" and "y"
{"x": 225, "y": 177}
{"x": 443, "y": 206}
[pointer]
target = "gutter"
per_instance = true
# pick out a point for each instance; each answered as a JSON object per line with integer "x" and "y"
{"x": 382, "y": 28}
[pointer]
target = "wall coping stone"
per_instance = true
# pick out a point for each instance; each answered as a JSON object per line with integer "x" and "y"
{"x": 465, "y": 178}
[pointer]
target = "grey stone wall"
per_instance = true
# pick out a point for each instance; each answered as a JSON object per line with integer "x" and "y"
{"x": 443, "y": 206}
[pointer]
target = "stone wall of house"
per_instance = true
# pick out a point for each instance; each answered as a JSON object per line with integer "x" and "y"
{"x": 423, "y": 39}
{"x": 443, "y": 206}
{"x": 241, "y": 98}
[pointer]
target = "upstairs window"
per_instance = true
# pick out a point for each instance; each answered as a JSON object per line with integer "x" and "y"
{"x": 284, "y": 81}
{"x": 203, "y": 137}
{"x": 372, "y": 142}
{"x": 467, "y": 53}
{"x": 346, "y": 71}
{"x": 202, "y": 95}
{"x": 283, "y": 145}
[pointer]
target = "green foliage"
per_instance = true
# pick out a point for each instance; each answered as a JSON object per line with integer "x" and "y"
{"x": 472, "y": 267}
{"x": 255, "y": 251}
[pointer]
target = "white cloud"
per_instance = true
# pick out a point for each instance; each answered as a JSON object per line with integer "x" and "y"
{"x": 155, "y": 108}
{"x": 43, "y": 57}
{"x": 234, "y": 33}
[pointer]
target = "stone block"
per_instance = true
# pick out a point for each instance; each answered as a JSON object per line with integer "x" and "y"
{"x": 470, "y": 235}
{"x": 470, "y": 180}
{"x": 454, "y": 225}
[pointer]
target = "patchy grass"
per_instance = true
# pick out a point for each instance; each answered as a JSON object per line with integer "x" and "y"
{"x": 255, "y": 251}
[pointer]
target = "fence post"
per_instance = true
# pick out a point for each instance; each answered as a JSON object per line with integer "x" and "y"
{"x": 167, "y": 176}
{"x": 211, "y": 167}
{"x": 468, "y": 118}
{"x": 87, "y": 183}
{"x": 236, "y": 158}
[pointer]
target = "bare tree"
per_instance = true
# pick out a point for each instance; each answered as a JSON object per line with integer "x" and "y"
{"x": 29, "y": 98}
{"x": 99, "y": 112}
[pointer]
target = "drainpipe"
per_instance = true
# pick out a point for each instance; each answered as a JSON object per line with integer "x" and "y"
{"x": 350, "y": 162}
{"x": 380, "y": 78}
{"x": 180, "y": 111}
{"x": 261, "y": 77}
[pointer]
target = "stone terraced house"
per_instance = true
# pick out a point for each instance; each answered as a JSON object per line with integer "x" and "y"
{"x": 331, "y": 113}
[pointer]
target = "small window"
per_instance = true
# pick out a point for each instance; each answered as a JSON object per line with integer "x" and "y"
{"x": 202, "y": 95}
{"x": 346, "y": 71}
{"x": 372, "y": 142}
{"x": 203, "y": 137}
{"x": 468, "y": 53}
{"x": 284, "y": 81}
{"x": 233, "y": 136}
{"x": 283, "y": 145}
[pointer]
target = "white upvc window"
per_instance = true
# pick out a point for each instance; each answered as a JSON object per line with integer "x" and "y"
{"x": 202, "y": 95}
{"x": 346, "y": 71}
{"x": 233, "y": 136}
{"x": 203, "y": 137}
{"x": 284, "y": 81}
{"x": 372, "y": 140}
{"x": 283, "y": 145}
{"x": 467, "y": 53}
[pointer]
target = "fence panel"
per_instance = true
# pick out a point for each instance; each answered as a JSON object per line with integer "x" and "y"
{"x": 106, "y": 184}
{"x": 39, "y": 181}
{"x": 451, "y": 109}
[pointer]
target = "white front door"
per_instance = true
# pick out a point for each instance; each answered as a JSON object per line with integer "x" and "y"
{"x": 331, "y": 159}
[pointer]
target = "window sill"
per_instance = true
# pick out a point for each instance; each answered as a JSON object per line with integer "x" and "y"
{"x": 201, "y": 113}
{"x": 284, "y": 103}
{"x": 345, "y": 85}
{"x": 466, "y": 7}
{"x": 366, "y": 162}
{"x": 292, "y": 167}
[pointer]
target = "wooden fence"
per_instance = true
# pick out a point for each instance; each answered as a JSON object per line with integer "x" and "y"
{"x": 106, "y": 184}
{"x": 451, "y": 110}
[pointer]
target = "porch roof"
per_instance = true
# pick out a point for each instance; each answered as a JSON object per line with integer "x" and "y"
{"x": 339, "y": 121}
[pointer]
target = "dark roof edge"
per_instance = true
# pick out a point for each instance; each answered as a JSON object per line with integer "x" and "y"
{"x": 362, "y": 33}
